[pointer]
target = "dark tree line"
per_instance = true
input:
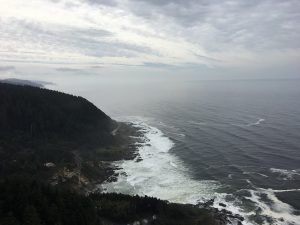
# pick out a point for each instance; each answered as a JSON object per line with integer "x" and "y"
{"x": 25, "y": 201}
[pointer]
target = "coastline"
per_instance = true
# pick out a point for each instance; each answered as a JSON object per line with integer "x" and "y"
{"x": 129, "y": 140}
{"x": 174, "y": 184}
{"x": 133, "y": 158}
{"x": 139, "y": 140}
{"x": 68, "y": 163}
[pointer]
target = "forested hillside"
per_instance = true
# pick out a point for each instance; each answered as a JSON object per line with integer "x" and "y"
{"x": 55, "y": 147}
{"x": 41, "y": 113}
{"x": 56, "y": 136}
{"x": 29, "y": 202}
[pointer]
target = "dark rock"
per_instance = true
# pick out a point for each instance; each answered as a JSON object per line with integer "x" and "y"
{"x": 138, "y": 159}
{"x": 222, "y": 204}
{"x": 207, "y": 204}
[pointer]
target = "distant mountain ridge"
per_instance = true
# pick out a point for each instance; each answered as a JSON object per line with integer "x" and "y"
{"x": 35, "y": 83}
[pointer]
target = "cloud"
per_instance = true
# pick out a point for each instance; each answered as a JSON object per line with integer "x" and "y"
{"x": 158, "y": 65}
{"x": 103, "y": 2}
{"x": 213, "y": 33}
{"x": 254, "y": 24}
{"x": 6, "y": 68}
{"x": 174, "y": 2}
{"x": 64, "y": 69}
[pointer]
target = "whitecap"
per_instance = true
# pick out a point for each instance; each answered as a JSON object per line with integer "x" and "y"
{"x": 279, "y": 211}
{"x": 173, "y": 164}
{"x": 287, "y": 190}
{"x": 159, "y": 173}
{"x": 263, "y": 175}
{"x": 260, "y": 174}
{"x": 259, "y": 121}
{"x": 286, "y": 174}
{"x": 197, "y": 123}
{"x": 163, "y": 175}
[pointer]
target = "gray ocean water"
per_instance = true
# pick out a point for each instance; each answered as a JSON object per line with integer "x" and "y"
{"x": 237, "y": 141}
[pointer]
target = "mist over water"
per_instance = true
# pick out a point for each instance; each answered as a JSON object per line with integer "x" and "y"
{"x": 237, "y": 141}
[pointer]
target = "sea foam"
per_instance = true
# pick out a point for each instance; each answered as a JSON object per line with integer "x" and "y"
{"x": 286, "y": 174}
{"x": 278, "y": 211}
{"x": 259, "y": 121}
{"x": 159, "y": 173}
{"x": 163, "y": 175}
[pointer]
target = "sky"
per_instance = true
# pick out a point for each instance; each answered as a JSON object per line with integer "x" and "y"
{"x": 51, "y": 39}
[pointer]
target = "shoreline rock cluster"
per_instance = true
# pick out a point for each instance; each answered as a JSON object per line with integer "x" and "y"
{"x": 223, "y": 216}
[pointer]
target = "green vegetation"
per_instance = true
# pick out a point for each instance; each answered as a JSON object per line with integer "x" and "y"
{"x": 40, "y": 126}
{"x": 44, "y": 114}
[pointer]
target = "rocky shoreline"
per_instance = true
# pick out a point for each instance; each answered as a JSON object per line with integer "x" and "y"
{"x": 69, "y": 163}
{"x": 222, "y": 216}
{"x": 131, "y": 139}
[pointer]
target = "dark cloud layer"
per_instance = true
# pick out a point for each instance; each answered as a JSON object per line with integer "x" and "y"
{"x": 6, "y": 68}
{"x": 65, "y": 69}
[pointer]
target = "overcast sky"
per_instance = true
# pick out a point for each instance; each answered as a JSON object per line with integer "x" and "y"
{"x": 174, "y": 36}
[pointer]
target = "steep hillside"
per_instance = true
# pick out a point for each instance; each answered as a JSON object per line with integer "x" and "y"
{"x": 42, "y": 113}
{"x": 57, "y": 136}
{"x": 53, "y": 148}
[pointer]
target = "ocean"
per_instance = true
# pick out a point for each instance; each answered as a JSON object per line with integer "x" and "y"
{"x": 235, "y": 141}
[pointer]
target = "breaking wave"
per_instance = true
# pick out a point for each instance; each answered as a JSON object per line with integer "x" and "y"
{"x": 286, "y": 174}
{"x": 159, "y": 173}
{"x": 259, "y": 121}
{"x": 163, "y": 175}
{"x": 271, "y": 209}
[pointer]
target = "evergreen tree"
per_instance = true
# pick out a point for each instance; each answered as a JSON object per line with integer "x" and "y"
{"x": 31, "y": 216}
{"x": 9, "y": 220}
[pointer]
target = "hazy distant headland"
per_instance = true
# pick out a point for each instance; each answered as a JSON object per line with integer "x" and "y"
{"x": 35, "y": 83}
